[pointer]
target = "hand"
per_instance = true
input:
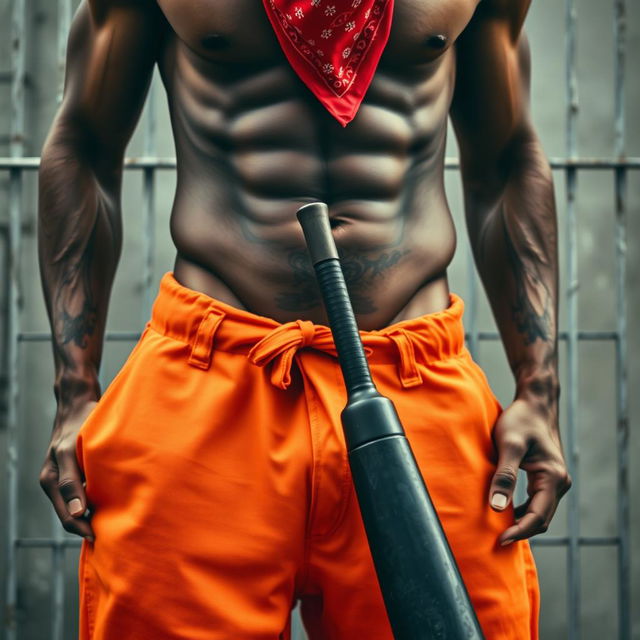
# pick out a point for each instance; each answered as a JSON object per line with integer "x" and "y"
{"x": 527, "y": 439}
{"x": 61, "y": 477}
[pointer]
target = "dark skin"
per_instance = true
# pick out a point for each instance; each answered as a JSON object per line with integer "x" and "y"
{"x": 253, "y": 145}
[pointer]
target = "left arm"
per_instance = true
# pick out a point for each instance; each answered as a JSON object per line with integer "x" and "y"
{"x": 512, "y": 225}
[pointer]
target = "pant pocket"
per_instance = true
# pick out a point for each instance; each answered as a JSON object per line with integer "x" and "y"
{"x": 93, "y": 417}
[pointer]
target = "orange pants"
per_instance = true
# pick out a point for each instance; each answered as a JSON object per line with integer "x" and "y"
{"x": 216, "y": 468}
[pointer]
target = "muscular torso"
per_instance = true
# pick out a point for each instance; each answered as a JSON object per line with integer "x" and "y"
{"x": 253, "y": 144}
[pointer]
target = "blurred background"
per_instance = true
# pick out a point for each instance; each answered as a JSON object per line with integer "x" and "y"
{"x": 585, "y": 100}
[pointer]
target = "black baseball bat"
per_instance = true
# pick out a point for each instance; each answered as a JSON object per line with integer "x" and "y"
{"x": 423, "y": 591}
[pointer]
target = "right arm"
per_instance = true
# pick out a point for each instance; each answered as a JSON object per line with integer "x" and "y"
{"x": 110, "y": 58}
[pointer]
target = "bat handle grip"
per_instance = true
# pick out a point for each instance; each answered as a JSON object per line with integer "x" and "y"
{"x": 357, "y": 376}
{"x": 314, "y": 219}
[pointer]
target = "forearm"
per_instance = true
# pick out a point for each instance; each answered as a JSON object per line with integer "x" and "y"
{"x": 513, "y": 233}
{"x": 79, "y": 244}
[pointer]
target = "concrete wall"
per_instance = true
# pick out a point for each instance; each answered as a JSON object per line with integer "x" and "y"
{"x": 595, "y": 203}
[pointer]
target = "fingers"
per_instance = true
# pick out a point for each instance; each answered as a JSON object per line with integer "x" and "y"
{"x": 548, "y": 483}
{"x": 61, "y": 480}
{"x": 536, "y": 518}
{"x": 503, "y": 483}
{"x": 525, "y": 440}
{"x": 521, "y": 509}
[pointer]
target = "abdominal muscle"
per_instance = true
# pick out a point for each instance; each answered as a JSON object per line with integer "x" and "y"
{"x": 248, "y": 160}
{"x": 393, "y": 272}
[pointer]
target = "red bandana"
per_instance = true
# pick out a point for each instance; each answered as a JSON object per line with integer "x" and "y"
{"x": 333, "y": 45}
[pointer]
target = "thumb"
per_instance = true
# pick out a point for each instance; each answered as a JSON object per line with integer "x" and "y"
{"x": 503, "y": 483}
{"x": 70, "y": 484}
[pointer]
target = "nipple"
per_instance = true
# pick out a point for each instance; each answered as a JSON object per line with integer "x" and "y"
{"x": 214, "y": 42}
{"x": 438, "y": 41}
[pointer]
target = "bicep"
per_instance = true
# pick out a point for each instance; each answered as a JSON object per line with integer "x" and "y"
{"x": 110, "y": 58}
{"x": 490, "y": 107}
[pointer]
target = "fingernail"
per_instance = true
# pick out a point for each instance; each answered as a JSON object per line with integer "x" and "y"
{"x": 75, "y": 506}
{"x": 499, "y": 501}
{"x": 506, "y": 542}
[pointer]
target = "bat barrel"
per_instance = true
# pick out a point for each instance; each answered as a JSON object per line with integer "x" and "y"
{"x": 421, "y": 586}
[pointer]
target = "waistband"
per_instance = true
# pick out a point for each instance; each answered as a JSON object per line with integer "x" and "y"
{"x": 209, "y": 325}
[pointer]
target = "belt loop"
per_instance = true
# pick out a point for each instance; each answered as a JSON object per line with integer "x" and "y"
{"x": 409, "y": 373}
{"x": 203, "y": 344}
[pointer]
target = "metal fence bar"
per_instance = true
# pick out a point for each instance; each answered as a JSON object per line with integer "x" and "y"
{"x": 111, "y": 336}
{"x": 57, "y": 585}
{"x": 543, "y": 541}
{"x": 571, "y": 248}
{"x": 15, "y": 189}
{"x": 64, "y": 23}
{"x": 16, "y": 150}
{"x": 120, "y": 336}
{"x": 149, "y": 206}
{"x": 622, "y": 407}
{"x": 471, "y": 306}
{"x": 31, "y": 163}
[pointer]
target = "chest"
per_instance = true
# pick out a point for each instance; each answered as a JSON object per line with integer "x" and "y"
{"x": 238, "y": 31}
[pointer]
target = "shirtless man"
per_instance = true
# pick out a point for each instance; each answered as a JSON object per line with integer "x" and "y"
{"x": 253, "y": 145}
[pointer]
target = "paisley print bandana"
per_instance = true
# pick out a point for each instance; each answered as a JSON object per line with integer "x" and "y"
{"x": 333, "y": 45}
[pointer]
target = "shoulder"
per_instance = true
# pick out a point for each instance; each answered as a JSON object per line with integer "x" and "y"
{"x": 504, "y": 8}
{"x": 101, "y": 9}
{"x": 510, "y": 13}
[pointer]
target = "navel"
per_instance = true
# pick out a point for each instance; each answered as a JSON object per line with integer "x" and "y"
{"x": 437, "y": 42}
{"x": 214, "y": 42}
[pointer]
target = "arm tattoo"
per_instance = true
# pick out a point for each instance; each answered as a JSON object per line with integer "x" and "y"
{"x": 75, "y": 326}
{"x": 532, "y": 306}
